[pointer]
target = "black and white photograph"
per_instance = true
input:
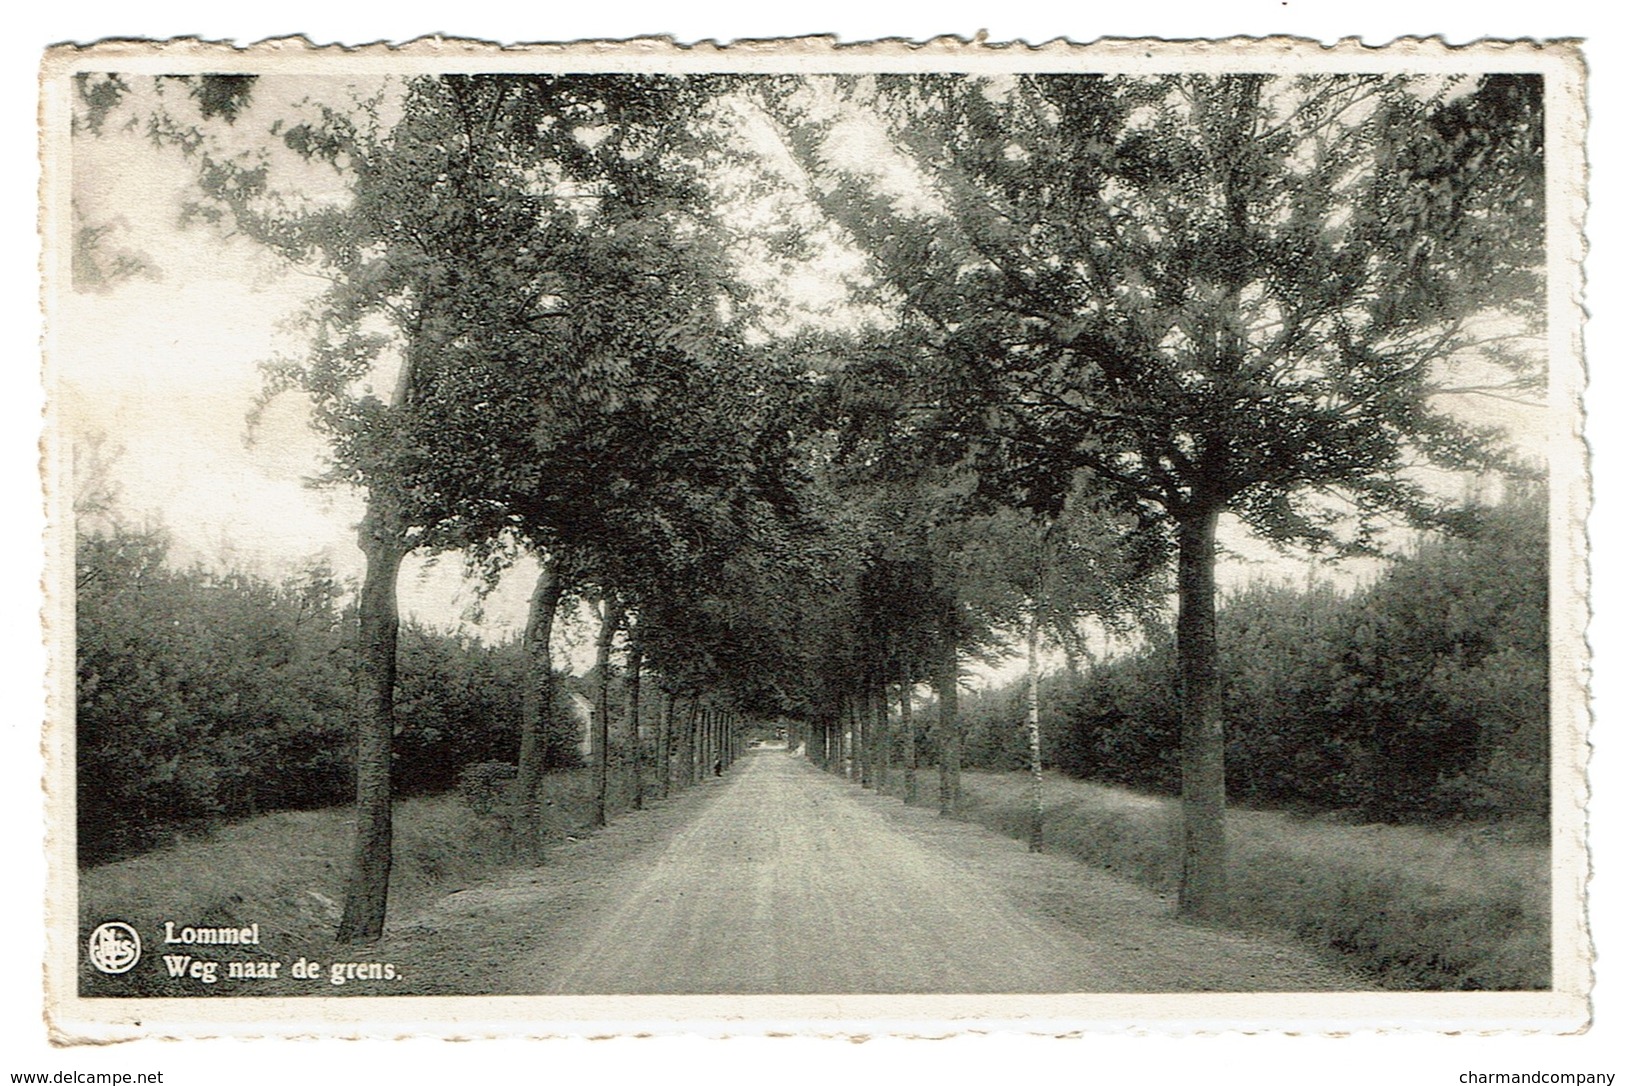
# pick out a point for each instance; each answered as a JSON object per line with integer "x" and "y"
{"x": 915, "y": 534}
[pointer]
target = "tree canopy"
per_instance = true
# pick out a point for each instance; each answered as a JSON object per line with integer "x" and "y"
{"x": 1231, "y": 294}
{"x": 1096, "y": 314}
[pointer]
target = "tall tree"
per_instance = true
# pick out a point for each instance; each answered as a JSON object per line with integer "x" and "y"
{"x": 1235, "y": 294}
{"x": 634, "y": 712}
{"x": 1055, "y": 577}
{"x": 536, "y": 646}
{"x": 575, "y": 405}
{"x": 485, "y": 234}
{"x": 609, "y": 624}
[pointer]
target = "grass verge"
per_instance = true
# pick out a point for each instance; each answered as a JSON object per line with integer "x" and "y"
{"x": 285, "y": 871}
{"x": 1446, "y": 908}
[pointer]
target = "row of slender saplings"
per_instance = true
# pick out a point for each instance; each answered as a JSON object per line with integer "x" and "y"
{"x": 707, "y": 739}
{"x": 856, "y": 739}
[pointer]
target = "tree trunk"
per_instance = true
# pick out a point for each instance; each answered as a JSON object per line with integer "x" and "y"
{"x": 684, "y": 758}
{"x": 702, "y": 740}
{"x": 1201, "y": 738}
{"x": 634, "y": 708}
{"x": 366, "y": 895}
{"x": 947, "y": 684}
{"x": 536, "y": 703}
{"x": 668, "y": 714}
{"x": 685, "y": 744}
{"x": 860, "y": 736}
{"x": 882, "y": 734}
{"x": 843, "y": 736}
{"x": 832, "y": 734}
{"x": 911, "y": 754}
{"x": 708, "y": 744}
{"x": 702, "y": 723}
{"x": 609, "y": 623}
{"x": 1035, "y": 835}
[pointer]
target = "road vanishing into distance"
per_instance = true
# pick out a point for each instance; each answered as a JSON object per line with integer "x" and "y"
{"x": 780, "y": 878}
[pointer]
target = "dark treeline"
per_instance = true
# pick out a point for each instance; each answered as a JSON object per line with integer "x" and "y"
{"x": 205, "y": 697}
{"x": 1422, "y": 695}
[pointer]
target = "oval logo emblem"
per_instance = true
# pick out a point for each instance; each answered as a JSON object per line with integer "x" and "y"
{"x": 114, "y": 947}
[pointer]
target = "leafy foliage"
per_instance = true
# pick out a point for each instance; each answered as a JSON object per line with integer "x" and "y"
{"x": 206, "y": 696}
{"x": 1109, "y": 309}
{"x": 1229, "y": 291}
{"x": 1422, "y": 695}
{"x": 1236, "y": 294}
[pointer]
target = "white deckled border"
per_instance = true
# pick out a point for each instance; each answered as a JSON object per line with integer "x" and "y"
{"x": 75, "y": 1020}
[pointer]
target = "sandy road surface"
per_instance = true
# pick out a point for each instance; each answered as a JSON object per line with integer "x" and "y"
{"x": 780, "y": 878}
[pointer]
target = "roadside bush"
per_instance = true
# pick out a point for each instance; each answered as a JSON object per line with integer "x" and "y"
{"x": 484, "y": 786}
{"x": 205, "y": 696}
{"x": 200, "y": 695}
{"x": 994, "y": 733}
{"x": 457, "y": 704}
{"x": 1424, "y": 695}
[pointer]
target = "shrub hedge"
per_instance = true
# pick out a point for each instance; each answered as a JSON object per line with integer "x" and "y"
{"x": 1422, "y": 695}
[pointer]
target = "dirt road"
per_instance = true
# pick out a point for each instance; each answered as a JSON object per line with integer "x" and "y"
{"x": 780, "y": 878}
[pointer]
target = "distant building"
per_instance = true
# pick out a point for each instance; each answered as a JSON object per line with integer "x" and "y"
{"x": 582, "y": 712}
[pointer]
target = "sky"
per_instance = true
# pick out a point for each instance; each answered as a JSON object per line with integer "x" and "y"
{"x": 166, "y": 365}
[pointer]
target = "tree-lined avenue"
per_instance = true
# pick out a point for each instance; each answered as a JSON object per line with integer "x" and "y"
{"x": 780, "y": 879}
{"x": 1089, "y": 317}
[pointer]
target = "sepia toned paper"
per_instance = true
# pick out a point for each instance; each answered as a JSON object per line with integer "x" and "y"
{"x": 157, "y": 365}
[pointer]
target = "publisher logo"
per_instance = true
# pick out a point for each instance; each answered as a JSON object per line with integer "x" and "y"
{"x": 114, "y": 947}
